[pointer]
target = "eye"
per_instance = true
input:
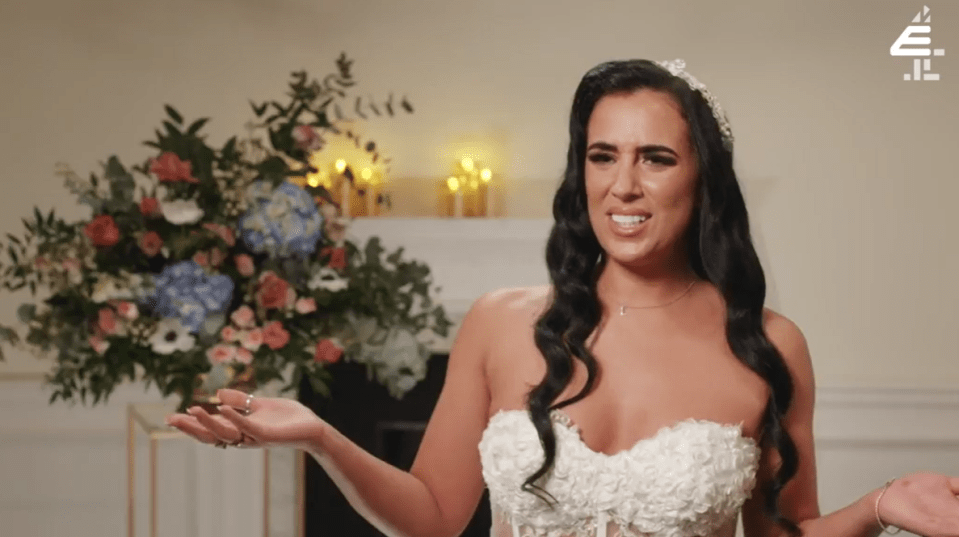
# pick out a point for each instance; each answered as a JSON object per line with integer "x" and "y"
{"x": 600, "y": 158}
{"x": 658, "y": 159}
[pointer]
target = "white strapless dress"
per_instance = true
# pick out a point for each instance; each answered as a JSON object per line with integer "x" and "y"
{"x": 690, "y": 479}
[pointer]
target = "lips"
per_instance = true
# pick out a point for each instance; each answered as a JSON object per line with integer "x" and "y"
{"x": 627, "y": 231}
{"x": 630, "y": 212}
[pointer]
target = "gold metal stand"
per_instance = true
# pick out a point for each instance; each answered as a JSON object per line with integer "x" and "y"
{"x": 151, "y": 418}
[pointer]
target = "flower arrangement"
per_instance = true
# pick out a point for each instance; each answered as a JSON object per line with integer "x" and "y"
{"x": 206, "y": 267}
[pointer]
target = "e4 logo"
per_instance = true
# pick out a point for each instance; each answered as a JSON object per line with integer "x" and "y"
{"x": 911, "y": 42}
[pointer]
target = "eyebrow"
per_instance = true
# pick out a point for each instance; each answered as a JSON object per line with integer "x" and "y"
{"x": 651, "y": 148}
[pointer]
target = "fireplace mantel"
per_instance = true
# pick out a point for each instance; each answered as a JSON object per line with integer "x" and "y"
{"x": 467, "y": 256}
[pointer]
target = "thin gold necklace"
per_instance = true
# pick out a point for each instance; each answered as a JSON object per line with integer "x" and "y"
{"x": 623, "y": 307}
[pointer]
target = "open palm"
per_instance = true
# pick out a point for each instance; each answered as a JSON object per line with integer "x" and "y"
{"x": 271, "y": 422}
{"x": 923, "y": 503}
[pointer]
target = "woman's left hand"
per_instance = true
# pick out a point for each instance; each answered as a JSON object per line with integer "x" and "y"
{"x": 923, "y": 503}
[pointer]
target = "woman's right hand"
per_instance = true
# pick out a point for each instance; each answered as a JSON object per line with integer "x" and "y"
{"x": 272, "y": 421}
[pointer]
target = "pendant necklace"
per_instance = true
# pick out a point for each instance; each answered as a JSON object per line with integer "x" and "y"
{"x": 623, "y": 307}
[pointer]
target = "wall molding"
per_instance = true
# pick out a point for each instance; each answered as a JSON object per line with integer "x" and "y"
{"x": 911, "y": 426}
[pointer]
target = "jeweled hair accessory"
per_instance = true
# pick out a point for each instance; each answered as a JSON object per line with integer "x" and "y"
{"x": 677, "y": 68}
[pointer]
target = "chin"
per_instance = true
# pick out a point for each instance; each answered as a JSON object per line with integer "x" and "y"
{"x": 627, "y": 256}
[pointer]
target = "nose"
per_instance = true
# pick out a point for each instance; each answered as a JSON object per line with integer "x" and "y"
{"x": 627, "y": 184}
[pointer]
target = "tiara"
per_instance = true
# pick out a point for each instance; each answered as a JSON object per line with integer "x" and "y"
{"x": 676, "y": 67}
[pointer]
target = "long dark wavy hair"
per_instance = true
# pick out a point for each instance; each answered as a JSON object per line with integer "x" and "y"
{"x": 720, "y": 251}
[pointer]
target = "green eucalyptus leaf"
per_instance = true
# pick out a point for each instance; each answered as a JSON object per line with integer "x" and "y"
{"x": 174, "y": 114}
{"x": 172, "y": 130}
{"x": 197, "y": 125}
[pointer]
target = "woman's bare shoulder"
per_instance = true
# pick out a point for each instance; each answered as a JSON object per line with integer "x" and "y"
{"x": 781, "y": 330}
{"x": 789, "y": 339}
{"x": 510, "y": 301}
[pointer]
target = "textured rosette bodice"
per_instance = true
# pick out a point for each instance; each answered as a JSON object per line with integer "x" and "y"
{"x": 689, "y": 479}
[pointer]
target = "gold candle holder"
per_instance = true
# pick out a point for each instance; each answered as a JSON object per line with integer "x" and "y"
{"x": 468, "y": 192}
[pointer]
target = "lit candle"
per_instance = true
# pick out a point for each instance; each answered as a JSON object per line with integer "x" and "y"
{"x": 368, "y": 197}
{"x": 347, "y": 209}
{"x": 471, "y": 199}
{"x": 486, "y": 175}
{"x": 452, "y": 194}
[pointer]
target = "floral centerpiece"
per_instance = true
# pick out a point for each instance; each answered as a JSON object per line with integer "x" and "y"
{"x": 207, "y": 267}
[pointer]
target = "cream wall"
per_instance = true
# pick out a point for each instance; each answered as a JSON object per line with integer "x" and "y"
{"x": 847, "y": 167}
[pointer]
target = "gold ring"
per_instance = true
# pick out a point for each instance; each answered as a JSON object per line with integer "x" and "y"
{"x": 247, "y": 405}
{"x": 239, "y": 440}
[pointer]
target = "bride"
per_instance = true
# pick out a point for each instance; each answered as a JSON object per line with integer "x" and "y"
{"x": 646, "y": 391}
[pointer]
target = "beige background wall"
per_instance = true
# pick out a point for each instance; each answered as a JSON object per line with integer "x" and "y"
{"x": 848, "y": 169}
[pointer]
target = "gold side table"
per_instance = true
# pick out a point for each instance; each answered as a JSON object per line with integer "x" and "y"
{"x": 151, "y": 418}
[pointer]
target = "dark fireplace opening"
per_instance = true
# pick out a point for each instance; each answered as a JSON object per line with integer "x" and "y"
{"x": 388, "y": 428}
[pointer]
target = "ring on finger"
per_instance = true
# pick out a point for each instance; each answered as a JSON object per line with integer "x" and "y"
{"x": 247, "y": 405}
{"x": 239, "y": 441}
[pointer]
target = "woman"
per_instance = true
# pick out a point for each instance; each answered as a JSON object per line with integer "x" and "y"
{"x": 646, "y": 391}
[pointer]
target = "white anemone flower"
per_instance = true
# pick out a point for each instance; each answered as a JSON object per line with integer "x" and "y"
{"x": 181, "y": 211}
{"x": 327, "y": 278}
{"x": 171, "y": 336}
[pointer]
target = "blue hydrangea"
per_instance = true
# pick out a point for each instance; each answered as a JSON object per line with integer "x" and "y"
{"x": 187, "y": 292}
{"x": 282, "y": 221}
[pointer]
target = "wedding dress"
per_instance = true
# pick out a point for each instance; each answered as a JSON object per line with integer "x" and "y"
{"x": 689, "y": 479}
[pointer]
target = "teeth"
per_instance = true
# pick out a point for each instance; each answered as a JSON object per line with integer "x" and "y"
{"x": 628, "y": 220}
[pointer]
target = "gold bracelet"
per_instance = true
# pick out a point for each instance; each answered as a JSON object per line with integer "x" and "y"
{"x": 885, "y": 529}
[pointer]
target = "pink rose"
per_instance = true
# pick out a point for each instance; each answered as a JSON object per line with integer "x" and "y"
{"x": 305, "y": 305}
{"x": 221, "y": 354}
{"x": 252, "y": 339}
{"x": 337, "y": 256}
{"x": 306, "y": 138}
{"x": 107, "y": 321}
{"x": 244, "y": 264}
{"x": 224, "y": 232}
{"x": 244, "y": 356}
{"x": 217, "y": 256}
{"x": 99, "y": 344}
{"x": 275, "y": 336}
{"x": 271, "y": 292}
{"x": 243, "y": 317}
{"x": 102, "y": 231}
{"x": 170, "y": 169}
{"x": 151, "y": 243}
{"x": 228, "y": 333}
{"x": 327, "y": 352}
{"x": 128, "y": 310}
{"x": 202, "y": 258}
{"x": 149, "y": 207}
